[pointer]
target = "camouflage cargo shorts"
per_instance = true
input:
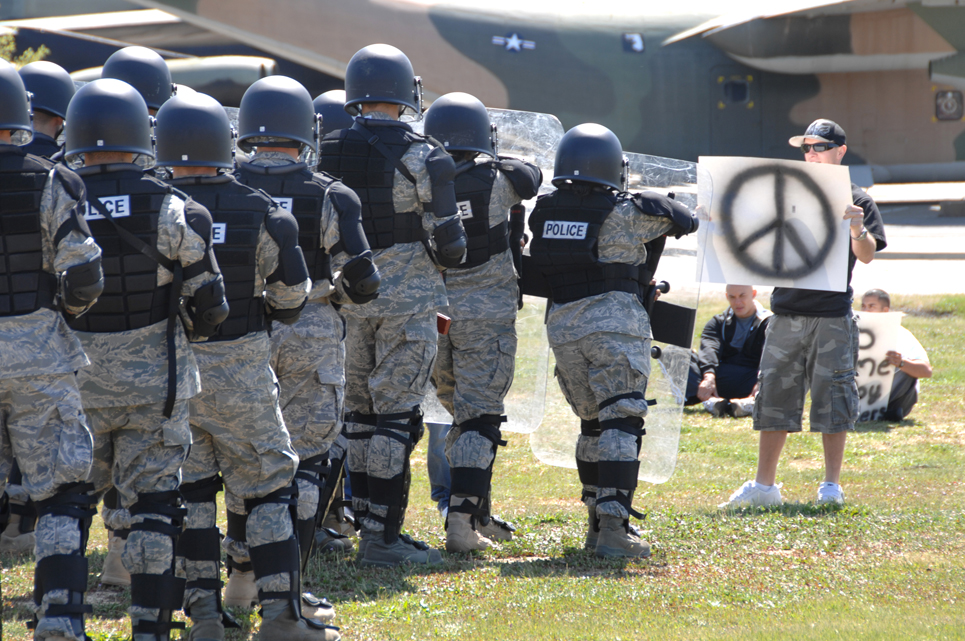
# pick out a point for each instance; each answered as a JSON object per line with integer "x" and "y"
{"x": 807, "y": 353}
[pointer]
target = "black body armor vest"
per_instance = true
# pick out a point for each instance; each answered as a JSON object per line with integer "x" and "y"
{"x": 24, "y": 285}
{"x": 474, "y": 190}
{"x": 131, "y": 298}
{"x": 566, "y": 229}
{"x": 348, "y": 155}
{"x": 301, "y": 192}
{"x": 238, "y": 213}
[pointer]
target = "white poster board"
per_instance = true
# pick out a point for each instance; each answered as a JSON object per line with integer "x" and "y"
{"x": 878, "y": 336}
{"x": 778, "y": 223}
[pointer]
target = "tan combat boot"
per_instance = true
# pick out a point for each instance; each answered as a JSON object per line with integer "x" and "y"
{"x": 12, "y": 540}
{"x": 592, "y": 529}
{"x": 496, "y": 530}
{"x": 240, "y": 591}
{"x": 461, "y": 537}
{"x": 286, "y": 627}
{"x": 114, "y": 572}
{"x": 207, "y": 630}
{"x": 328, "y": 541}
{"x": 315, "y": 608}
{"x": 618, "y": 539}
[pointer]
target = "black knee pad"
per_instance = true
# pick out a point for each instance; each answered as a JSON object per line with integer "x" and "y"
{"x": 164, "y": 592}
{"x": 74, "y": 500}
{"x": 469, "y": 481}
{"x": 360, "y": 478}
{"x": 237, "y": 530}
{"x": 394, "y": 492}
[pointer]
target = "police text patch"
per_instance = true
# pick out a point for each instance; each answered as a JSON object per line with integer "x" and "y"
{"x": 564, "y": 230}
{"x": 116, "y": 206}
{"x": 218, "y": 232}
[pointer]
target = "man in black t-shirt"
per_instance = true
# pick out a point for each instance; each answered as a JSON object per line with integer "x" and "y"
{"x": 811, "y": 344}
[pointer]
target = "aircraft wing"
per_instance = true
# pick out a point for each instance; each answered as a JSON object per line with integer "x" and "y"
{"x": 829, "y": 36}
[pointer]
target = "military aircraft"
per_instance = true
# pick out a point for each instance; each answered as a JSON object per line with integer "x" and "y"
{"x": 676, "y": 79}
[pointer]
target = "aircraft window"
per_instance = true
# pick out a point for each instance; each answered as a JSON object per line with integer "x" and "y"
{"x": 949, "y": 105}
{"x": 737, "y": 91}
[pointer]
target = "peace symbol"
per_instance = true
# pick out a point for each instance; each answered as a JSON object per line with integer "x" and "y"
{"x": 779, "y": 226}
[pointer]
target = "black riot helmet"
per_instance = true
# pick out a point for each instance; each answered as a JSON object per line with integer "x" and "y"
{"x": 381, "y": 73}
{"x": 461, "y": 123}
{"x": 277, "y": 111}
{"x": 331, "y": 107}
{"x": 15, "y": 111}
{"x": 590, "y": 153}
{"x": 143, "y": 69}
{"x": 51, "y": 86}
{"x": 193, "y": 131}
{"x": 108, "y": 115}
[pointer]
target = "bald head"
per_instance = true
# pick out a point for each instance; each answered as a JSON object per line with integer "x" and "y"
{"x": 741, "y": 300}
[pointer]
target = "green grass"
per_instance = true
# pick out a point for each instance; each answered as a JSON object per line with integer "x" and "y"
{"x": 888, "y": 565}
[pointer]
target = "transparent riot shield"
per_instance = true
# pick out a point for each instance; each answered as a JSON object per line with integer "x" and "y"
{"x": 672, "y": 318}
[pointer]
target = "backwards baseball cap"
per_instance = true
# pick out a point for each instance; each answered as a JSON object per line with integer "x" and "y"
{"x": 823, "y": 130}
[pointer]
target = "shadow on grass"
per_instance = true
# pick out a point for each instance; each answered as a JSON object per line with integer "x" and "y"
{"x": 576, "y": 562}
{"x": 809, "y": 509}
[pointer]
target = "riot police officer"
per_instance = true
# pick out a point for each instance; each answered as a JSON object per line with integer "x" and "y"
{"x": 408, "y": 209}
{"x": 236, "y": 421}
{"x": 52, "y": 90}
{"x": 474, "y": 368}
{"x": 54, "y": 269}
{"x": 277, "y": 127}
{"x": 590, "y": 243}
{"x": 157, "y": 248}
{"x": 331, "y": 107}
{"x": 145, "y": 70}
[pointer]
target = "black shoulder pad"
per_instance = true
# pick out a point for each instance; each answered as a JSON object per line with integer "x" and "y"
{"x": 198, "y": 217}
{"x": 654, "y": 204}
{"x": 349, "y": 209}
{"x": 525, "y": 177}
{"x": 282, "y": 227}
{"x": 73, "y": 184}
{"x": 442, "y": 173}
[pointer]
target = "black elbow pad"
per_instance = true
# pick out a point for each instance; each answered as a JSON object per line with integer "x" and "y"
{"x": 210, "y": 308}
{"x": 83, "y": 283}
{"x": 349, "y": 209}
{"x": 361, "y": 278}
{"x": 523, "y": 176}
{"x": 654, "y": 204}
{"x": 283, "y": 229}
{"x": 442, "y": 175}
{"x": 287, "y": 316}
{"x": 450, "y": 239}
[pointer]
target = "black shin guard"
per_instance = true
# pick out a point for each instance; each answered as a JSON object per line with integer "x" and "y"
{"x": 204, "y": 544}
{"x": 394, "y": 492}
{"x": 237, "y": 530}
{"x": 622, "y": 475}
{"x": 589, "y": 471}
{"x": 472, "y": 481}
{"x": 360, "y": 478}
{"x": 281, "y": 556}
{"x": 164, "y": 592}
{"x": 314, "y": 470}
{"x": 67, "y": 571}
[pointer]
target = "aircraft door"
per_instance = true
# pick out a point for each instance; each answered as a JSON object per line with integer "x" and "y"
{"x": 735, "y": 121}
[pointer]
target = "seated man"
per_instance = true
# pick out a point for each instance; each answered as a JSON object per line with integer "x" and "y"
{"x": 910, "y": 361}
{"x": 723, "y": 374}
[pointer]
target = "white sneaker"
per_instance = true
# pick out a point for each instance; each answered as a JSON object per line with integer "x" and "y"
{"x": 830, "y": 493}
{"x": 717, "y": 407}
{"x": 750, "y": 494}
{"x": 742, "y": 408}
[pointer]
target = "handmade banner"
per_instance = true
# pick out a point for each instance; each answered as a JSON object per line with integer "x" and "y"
{"x": 778, "y": 223}
{"x": 878, "y": 336}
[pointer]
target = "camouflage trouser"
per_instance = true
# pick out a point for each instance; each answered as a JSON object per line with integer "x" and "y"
{"x": 241, "y": 434}
{"x": 473, "y": 374}
{"x": 387, "y": 368}
{"x": 802, "y": 353}
{"x": 44, "y": 428}
{"x": 139, "y": 451}
{"x": 309, "y": 361}
{"x": 592, "y": 372}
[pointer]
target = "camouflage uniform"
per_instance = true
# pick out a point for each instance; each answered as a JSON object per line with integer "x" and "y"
{"x": 42, "y": 425}
{"x": 602, "y": 349}
{"x": 308, "y": 357}
{"x": 138, "y": 449}
{"x": 391, "y": 345}
{"x": 236, "y": 423}
{"x": 475, "y": 364}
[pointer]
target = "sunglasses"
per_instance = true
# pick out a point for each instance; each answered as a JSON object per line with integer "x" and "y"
{"x": 818, "y": 146}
